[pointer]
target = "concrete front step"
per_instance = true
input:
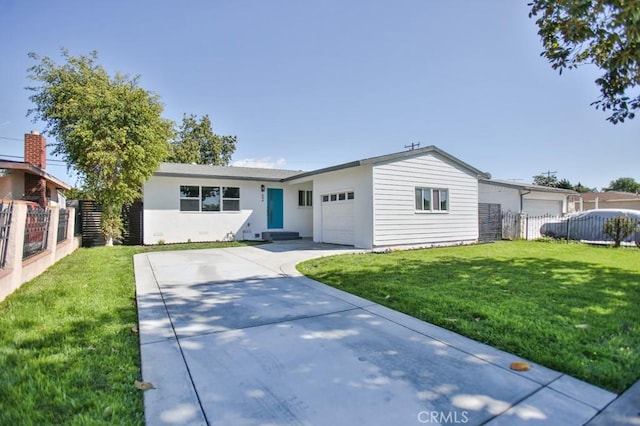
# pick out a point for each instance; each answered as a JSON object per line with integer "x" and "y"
{"x": 280, "y": 235}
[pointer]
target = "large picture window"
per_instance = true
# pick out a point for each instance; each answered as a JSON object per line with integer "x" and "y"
{"x": 209, "y": 198}
{"x": 432, "y": 199}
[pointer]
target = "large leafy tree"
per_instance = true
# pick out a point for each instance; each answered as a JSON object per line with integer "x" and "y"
{"x": 197, "y": 143}
{"x": 550, "y": 179}
{"x": 582, "y": 189}
{"x": 107, "y": 128}
{"x": 605, "y": 33}
{"x": 624, "y": 184}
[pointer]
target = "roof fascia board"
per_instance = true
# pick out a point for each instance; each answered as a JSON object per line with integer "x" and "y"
{"x": 426, "y": 150}
{"x": 324, "y": 170}
{"x": 221, "y": 177}
{"x": 536, "y": 188}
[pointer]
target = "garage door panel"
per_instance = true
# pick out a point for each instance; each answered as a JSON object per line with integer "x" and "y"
{"x": 338, "y": 222}
{"x": 543, "y": 207}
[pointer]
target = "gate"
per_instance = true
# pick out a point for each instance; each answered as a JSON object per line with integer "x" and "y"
{"x": 91, "y": 214}
{"x": 132, "y": 221}
{"x": 489, "y": 222}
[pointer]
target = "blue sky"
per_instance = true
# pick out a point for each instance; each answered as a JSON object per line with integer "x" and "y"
{"x": 304, "y": 85}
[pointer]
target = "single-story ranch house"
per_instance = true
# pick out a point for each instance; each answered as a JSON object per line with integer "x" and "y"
{"x": 418, "y": 197}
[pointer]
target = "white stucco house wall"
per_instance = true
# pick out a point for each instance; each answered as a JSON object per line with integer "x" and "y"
{"x": 534, "y": 200}
{"x": 188, "y": 202}
{"x": 423, "y": 196}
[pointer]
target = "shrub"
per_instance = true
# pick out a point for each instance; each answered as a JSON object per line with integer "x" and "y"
{"x": 619, "y": 228}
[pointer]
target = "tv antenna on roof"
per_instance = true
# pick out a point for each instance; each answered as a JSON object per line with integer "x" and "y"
{"x": 413, "y": 145}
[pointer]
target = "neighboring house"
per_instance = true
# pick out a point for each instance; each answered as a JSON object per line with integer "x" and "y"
{"x": 534, "y": 200}
{"x": 608, "y": 200}
{"x": 419, "y": 197}
{"x": 511, "y": 210}
{"x": 28, "y": 179}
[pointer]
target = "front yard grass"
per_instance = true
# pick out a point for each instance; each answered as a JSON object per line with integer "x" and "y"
{"x": 571, "y": 307}
{"x": 68, "y": 355}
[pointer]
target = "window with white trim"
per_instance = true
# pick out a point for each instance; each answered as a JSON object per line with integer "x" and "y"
{"x": 189, "y": 198}
{"x": 210, "y": 199}
{"x": 195, "y": 198}
{"x": 230, "y": 198}
{"x": 305, "y": 198}
{"x": 432, "y": 199}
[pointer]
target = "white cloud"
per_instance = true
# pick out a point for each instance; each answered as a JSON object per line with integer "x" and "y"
{"x": 263, "y": 163}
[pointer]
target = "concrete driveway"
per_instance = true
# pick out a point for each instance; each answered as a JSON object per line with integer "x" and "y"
{"x": 236, "y": 336}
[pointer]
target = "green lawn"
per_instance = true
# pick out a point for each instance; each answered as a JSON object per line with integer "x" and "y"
{"x": 67, "y": 351}
{"x": 571, "y": 307}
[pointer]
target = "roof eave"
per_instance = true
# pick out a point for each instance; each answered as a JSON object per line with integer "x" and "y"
{"x": 215, "y": 176}
{"x": 34, "y": 170}
{"x": 530, "y": 187}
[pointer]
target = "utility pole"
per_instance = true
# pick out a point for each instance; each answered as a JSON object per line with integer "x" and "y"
{"x": 548, "y": 173}
{"x": 413, "y": 145}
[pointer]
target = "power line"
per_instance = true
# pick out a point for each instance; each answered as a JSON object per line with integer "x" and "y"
{"x": 10, "y": 139}
{"x": 20, "y": 156}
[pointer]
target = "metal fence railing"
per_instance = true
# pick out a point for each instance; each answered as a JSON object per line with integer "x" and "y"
{"x": 63, "y": 222}
{"x": 578, "y": 227}
{"x": 5, "y": 226}
{"x": 36, "y": 231}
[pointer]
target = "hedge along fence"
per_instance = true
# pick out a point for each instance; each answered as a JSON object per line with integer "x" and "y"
{"x": 22, "y": 233}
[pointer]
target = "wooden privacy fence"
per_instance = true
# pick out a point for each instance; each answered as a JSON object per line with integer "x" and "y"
{"x": 90, "y": 216}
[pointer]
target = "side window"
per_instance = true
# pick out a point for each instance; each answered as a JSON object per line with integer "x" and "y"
{"x": 432, "y": 199}
{"x": 305, "y": 198}
{"x": 230, "y": 198}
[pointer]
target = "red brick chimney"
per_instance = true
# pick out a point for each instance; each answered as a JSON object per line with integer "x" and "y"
{"x": 35, "y": 149}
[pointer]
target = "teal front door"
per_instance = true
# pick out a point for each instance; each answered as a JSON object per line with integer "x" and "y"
{"x": 275, "y": 210}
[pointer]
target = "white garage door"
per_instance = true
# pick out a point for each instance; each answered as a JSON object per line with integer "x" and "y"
{"x": 543, "y": 207}
{"x": 337, "y": 218}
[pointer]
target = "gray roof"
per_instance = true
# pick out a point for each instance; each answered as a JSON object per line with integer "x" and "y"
{"x": 397, "y": 156}
{"x": 610, "y": 196}
{"x": 224, "y": 172}
{"x": 528, "y": 186}
{"x": 276, "y": 175}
